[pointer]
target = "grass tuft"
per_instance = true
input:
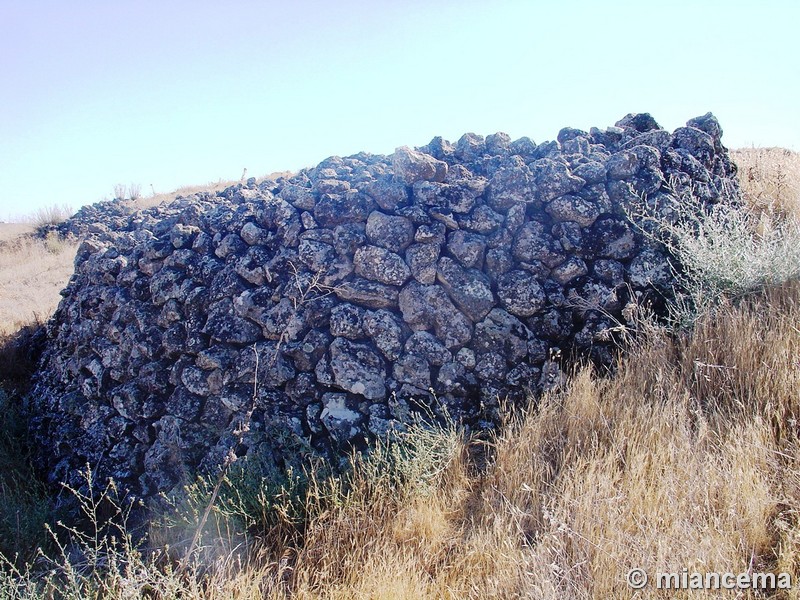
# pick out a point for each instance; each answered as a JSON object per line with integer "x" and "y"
{"x": 50, "y": 215}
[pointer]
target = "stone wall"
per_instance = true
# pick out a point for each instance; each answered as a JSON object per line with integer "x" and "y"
{"x": 331, "y": 306}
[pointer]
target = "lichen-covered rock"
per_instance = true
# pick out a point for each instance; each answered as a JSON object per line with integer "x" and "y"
{"x": 520, "y": 293}
{"x": 357, "y": 368}
{"x": 468, "y": 288}
{"x": 391, "y": 232}
{"x": 319, "y": 310}
{"x": 411, "y": 166}
{"x": 378, "y": 264}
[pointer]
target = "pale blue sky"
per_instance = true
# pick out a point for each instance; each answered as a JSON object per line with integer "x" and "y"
{"x": 180, "y": 93}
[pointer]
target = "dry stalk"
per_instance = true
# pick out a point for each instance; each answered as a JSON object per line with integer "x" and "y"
{"x": 239, "y": 432}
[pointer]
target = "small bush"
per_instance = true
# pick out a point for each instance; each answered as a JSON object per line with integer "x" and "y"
{"x": 727, "y": 250}
{"x": 50, "y": 215}
{"x": 119, "y": 191}
{"x": 135, "y": 191}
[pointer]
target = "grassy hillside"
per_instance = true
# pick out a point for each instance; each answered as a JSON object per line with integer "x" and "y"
{"x": 686, "y": 458}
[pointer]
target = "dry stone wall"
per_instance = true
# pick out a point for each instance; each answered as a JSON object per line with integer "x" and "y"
{"x": 329, "y": 307}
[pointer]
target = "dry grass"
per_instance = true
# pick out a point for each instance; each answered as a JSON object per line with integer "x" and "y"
{"x": 770, "y": 179}
{"x": 32, "y": 273}
{"x": 51, "y": 215}
{"x": 11, "y": 231}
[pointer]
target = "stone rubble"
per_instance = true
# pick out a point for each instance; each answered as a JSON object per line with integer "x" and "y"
{"x": 353, "y": 295}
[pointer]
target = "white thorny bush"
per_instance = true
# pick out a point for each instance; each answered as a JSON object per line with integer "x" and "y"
{"x": 726, "y": 251}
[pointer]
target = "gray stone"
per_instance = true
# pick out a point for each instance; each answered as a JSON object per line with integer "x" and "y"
{"x": 466, "y": 248}
{"x": 498, "y": 143}
{"x": 640, "y": 122}
{"x": 390, "y": 232}
{"x": 369, "y": 294}
{"x": 388, "y": 193}
{"x": 609, "y": 271}
{"x": 450, "y": 378}
{"x": 503, "y": 335}
{"x": 308, "y": 221}
{"x": 167, "y": 284}
{"x": 230, "y": 244}
{"x": 317, "y": 256}
{"x": 612, "y": 238}
{"x": 338, "y": 209}
{"x": 575, "y": 209}
{"x": 569, "y": 270}
{"x": 512, "y": 183}
{"x": 520, "y": 293}
{"x": 422, "y": 343}
{"x": 386, "y": 332}
{"x": 591, "y": 171}
{"x": 299, "y": 196}
{"x": 650, "y": 268}
{"x": 466, "y": 358}
{"x": 696, "y": 142}
{"x": 273, "y": 368}
{"x": 378, "y": 264}
{"x": 498, "y": 261}
{"x": 182, "y": 236}
{"x": 433, "y": 233}
{"x": 468, "y": 288}
{"x": 426, "y": 307}
{"x": 491, "y": 367}
{"x": 225, "y": 325}
{"x": 482, "y": 220}
{"x": 357, "y": 369}
{"x": 347, "y": 320}
{"x": 594, "y": 295}
{"x": 470, "y": 147}
{"x": 308, "y": 351}
{"x": 553, "y": 179}
{"x": 622, "y": 165}
{"x": 348, "y": 238}
{"x": 411, "y": 166}
{"x": 340, "y": 420}
{"x": 524, "y": 147}
{"x": 534, "y": 243}
{"x": 422, "y": 259}
{"x": 707, "y": 123}
{"x": 252, "y": 234}
{"x": 413, "y": 370}
{"x": 250, "y": 267}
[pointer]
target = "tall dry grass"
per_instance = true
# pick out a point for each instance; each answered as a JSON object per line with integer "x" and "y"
{"x": 770, "y": 179}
